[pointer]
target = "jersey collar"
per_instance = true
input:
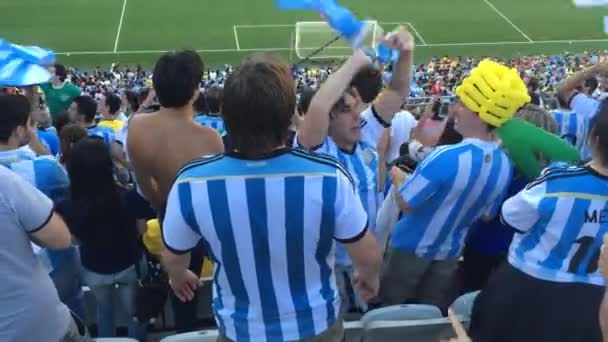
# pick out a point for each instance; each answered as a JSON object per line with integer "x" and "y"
{"x": 238, "y": 155}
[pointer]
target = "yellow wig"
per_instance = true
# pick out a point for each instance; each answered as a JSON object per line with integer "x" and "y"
{"x": 493, "y": 91}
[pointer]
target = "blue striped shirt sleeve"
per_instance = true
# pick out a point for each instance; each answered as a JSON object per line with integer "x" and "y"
{"x": 179, "y": 226}
{"x": 521, "y": 211}
{"x": 427, "y": 179}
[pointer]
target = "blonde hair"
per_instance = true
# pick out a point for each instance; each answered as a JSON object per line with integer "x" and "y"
{"x": 539, "y": 117}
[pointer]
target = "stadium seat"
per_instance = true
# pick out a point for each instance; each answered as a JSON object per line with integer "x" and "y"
{"x": 197, "y": 336}
{"x": 410, "y": 331}
{"x": 402, "y": 313}
{"x": 353, "y": 331}
{"x": 463, "y": 305}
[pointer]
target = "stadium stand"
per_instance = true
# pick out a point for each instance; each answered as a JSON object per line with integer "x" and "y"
{"x": 266, "y": 219}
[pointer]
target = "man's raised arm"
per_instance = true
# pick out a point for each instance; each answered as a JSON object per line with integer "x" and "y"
{"x": 389, "y": 101}
{"x": 313, "y": 128}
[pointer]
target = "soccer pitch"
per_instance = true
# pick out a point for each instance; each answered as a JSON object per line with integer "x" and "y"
{"x": 98, "y": 32}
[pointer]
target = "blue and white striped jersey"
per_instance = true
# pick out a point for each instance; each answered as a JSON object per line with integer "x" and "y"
{"x": 450, "y": 189}
{"x": 561, "y": 217}
{"x": 105, "y": 133}
{"x": 212, "y": 121}
{"x": 586, "y": 107}
{"x": 45, "y": 173}
{"x": 572, "y": 127}
{"x": 362, "y": 164}
{"x": 269, "y": 225}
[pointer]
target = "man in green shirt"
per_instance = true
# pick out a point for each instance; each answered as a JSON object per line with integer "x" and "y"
{"x": 59, "y": 93}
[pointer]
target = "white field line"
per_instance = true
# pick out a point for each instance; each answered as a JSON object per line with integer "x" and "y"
{"x": 236, "y": 38}
{"x": 508, "y": 20}
{"x": 142, "y": 52}
{"x": 418, "y": 35}
{"x": 122, "y": 16}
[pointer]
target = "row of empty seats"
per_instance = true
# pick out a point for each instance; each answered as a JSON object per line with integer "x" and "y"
{"x": 412, "y": 323}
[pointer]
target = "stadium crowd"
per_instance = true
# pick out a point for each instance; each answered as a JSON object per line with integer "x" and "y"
{"x": 315, "y": 194}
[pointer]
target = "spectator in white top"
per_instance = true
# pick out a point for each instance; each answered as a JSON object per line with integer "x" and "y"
{"x": 390, "y": 143}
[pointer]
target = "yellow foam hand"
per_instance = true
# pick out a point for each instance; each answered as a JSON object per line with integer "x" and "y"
{"x": 493, "y": 91}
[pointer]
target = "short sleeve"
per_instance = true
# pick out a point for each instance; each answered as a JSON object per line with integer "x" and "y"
{"x": 32, "y": 208}
{"x": 521, "y": 211}
{"x": 427, "y": 179}
{"x": 45, "y": 87}
{"x": 371, "y": 127}
{"x": 584, "y": 105}
{"x": 179, "y": 228}
{"x": 54, "y": 181}
{"x": 351, "y": 218}
{"x": 76, "y": 91}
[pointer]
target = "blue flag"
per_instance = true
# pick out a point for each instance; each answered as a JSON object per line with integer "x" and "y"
{"x": 23, "y": 65}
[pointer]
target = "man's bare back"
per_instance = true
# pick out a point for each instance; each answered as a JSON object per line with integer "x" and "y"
{"x": 160, "y": 143}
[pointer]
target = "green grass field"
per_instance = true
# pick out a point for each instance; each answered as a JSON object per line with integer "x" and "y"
{"x": 98, "y": 32}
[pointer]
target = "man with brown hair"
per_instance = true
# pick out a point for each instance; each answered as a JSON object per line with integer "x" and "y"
{"x": 159, "y": 143}
{"x": 269, "y": 215}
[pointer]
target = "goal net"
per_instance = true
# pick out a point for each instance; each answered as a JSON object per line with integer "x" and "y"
{"x": 310, "y": 36}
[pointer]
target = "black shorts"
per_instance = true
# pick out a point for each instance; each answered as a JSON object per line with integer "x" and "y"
{"x": 515, "y": 307}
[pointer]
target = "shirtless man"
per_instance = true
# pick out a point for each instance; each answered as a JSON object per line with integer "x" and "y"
{"x": 159, "y": 143}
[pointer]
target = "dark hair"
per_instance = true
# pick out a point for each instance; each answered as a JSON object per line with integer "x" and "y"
{"x": 449, "y": 136}
{"x": 259, "y": 101}
{"x": 215, "y": 97}
{"x": 69, "y": 136}
{"x": 177, "y": 76}
{"x": 305, "y": 97}
{"x": 597, "y": 132}
{"x": 592, "y": 84}
{"x": 200, "y": 105}
{"x": 94, "y": 194}
{"x": 368, "y": 82}
{"x": 62, "y": 120}
{"x": 14, "y": 112}
{"x": 132, "y": 99}
{"x": 86, "y": 106}
{"x": 114, "y": 102}
{"x": 61, "y": 72}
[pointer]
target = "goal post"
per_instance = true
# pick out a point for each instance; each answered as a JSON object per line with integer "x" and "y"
{"x": 310, "y": 36}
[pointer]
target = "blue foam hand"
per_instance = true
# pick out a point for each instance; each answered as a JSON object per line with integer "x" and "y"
{"x": 23, "y": 65}
{"x": 299, "y": 4}
{"x": 338, "y": 17}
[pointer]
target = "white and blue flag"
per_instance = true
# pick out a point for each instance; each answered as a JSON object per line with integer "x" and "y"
{"x": 23, "y": 65}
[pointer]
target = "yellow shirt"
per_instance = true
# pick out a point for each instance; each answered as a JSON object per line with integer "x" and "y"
{"x": 153, "y": 242}
{"x": 115, "y": 125}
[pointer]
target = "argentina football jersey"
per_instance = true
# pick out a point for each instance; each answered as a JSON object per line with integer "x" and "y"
{"x": 104, "y": 133}
{"x": 572, "y": 127}
{"x": 43, "y": 172}
{"x": 269, "y": 225}
{"x": 362, "y": 164}
{"x": 452, "y": 187}
{"x": 560, "y": 219}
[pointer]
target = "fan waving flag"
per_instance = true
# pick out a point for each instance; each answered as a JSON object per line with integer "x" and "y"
{"x": 23, "y": 65}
